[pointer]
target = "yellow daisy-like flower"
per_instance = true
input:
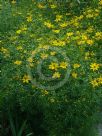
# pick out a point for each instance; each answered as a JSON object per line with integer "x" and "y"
{"x": 56, "y": 75}
{"x": 26, "y": 79}
{"x": 53, "y": 6}
{"x": 29, "y": 18}
{"x": 64, "y": 24}
{"x": 48, "y": 24}
{"x": 58, "y": 18}
{"x": 94, "y": 66}
{"x": 43, "y": 55}
{"x": 19, "y": 48}
{"x": 76, "y": 65}
{"x": 98, "y": 35}
{"x": 63, "y": 65}
{"x": 18, "y": 62}
{"x": 52, "y": 53}
{"x": 74, "y": 74}
{"x": 45, "y": 92}
{"x": 94, "y": 83}
{"x": 53, "y": 66}
{"x": 90, "y": 42}
{"x": 100, "y": 80}
{"x": 58, "y": 43}
{"x": 30, "y": 60}
{"x": 56, "y": 31}
{"x": 41, "y": 6}
{"x": 18, "y": 31}
{"x": 69, "y": 34}
{"x": 100, "y": 2}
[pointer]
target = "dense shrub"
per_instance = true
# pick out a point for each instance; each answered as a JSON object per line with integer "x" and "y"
{"x": 50, "y": 67}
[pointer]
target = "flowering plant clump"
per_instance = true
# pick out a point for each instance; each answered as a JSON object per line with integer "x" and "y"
{"x": 51, "y": 66}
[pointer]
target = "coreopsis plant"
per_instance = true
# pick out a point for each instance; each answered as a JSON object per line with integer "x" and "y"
{"x": 51, "y": 65}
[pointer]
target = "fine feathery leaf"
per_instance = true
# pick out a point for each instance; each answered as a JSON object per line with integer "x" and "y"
{"x": 22, "y": 128}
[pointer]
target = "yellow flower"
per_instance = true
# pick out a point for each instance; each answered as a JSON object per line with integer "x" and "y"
{"x": 19, "y": 48}
{"x": 89, "y": 15}
{"x": 58, "y": 43}
{"x": 84, "y": 37}
{"x": 41, "y": 6}
{"x": 74, "y": 74}
{"x": 18, "y": 31}
{"x": 90, "y": 42}
{"x": 94, "y": 83}
{"x": 43, "y": 55}
{"x": 52, "y": 53}
{"x": 63, "y": 65}
{"x": 56, "y": 31}
{"x": 18, "y": 62}
{"x": 76, "y": 65}
{"x": 29, "y": 18}
{"x": 45, "y": 92}
{"x": 69, "y": 34}
{"x": 94, "y": 66}
{"x": 53, "y": 66}
{"x": 64, "y": 24}
{"x": 56, "y": 75}
{"x": 100, "y": 80}
{"x": 53, "y": 6}
{"x": 80, "y": 42}
{"x": 100, "y": 2}
{"x": 98, "y": 35}
{"x": 30, "y": 60}
{"x": 48, "y": 24}
{"x": 26, "y": 79}
{"x": 58, "y": 18}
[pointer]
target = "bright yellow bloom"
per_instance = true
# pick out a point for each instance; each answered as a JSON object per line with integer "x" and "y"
{"x": 30, "y": 60}
{"x": 29, "y": 18}
{"x": 63, "y": 65}
{"x": 89, "y": 15}
{"x": 53, "y": 6}
{"x": 43, "y": 55}
{"x": 52, "y": 53}
{"x": 100, "y": 80}
{"x": 53, "y": 66}
{"x": 56, "y": 75}
{"x": 19, "y": 48}
{"x": 45, "y": 92}
{"x": 100, "y": 2}
{"x": 56, "y": 31}
{"x": 69, "y": 34}
{"x": 26, "y": 79}
{"x": 41, "y": 6}
{"x": 58, "y": 43}
{"x": 80, "y": 42}
{"x": 90, "y": 42}
{"x": 58, "y": 18}
{"x": 48, "y": 24}
{"x": 94, "y": 66}
{"x": 64, "y": 24}
{"x": 98, "y": 35}
{"x": 76, "y": 65}
{"x": 94, "y": 83}
{"x": 74, "y": 74}
{"x": 18, "y": 31}
{"x": 18, "y": 62}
